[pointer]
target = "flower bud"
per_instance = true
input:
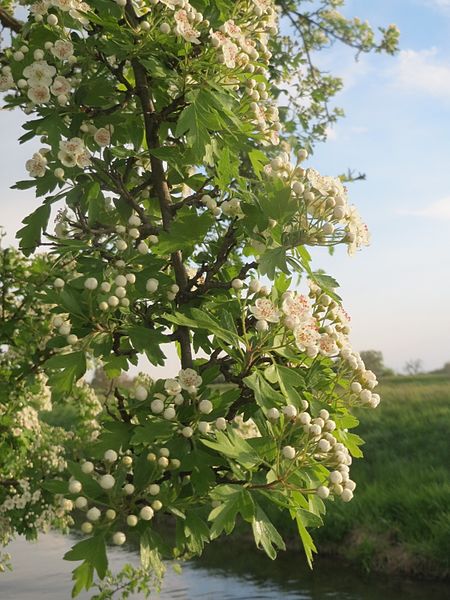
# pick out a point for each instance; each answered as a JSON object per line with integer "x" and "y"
{"x": 221, "y": 423}
{"x": 110, "y": 456}
{"x": 289, "y": 452}
{"x": 87, "y": 467}
{"x": 119, "y": 538}
{"x": 146, "y": 513}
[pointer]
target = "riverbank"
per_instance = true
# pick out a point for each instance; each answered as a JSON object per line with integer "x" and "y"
{"x": 399, "y": 520}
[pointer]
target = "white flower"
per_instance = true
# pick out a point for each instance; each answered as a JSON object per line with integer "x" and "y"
{"x": 6, "y": 82}
{"x": 64, "y": 5}
{"x": 36, "y": 165}
{"x": 68, "y": 159}
{"x": 40, "y": 7}
{"x": 231, "y": 29}
{"x": 306, "y": 334}
{"x": 189, "y": 378}
{"x": 264, "y": 310}
{"x": 102, "y": 136}
{"x": 73, "y": 153}
{"x": 39, "y": 94}
{"x": 39, "y": 73}
{"x": 74, "y": 145}
{"x": 326, "y": 185}
{"x": 232, "y": 208}
{"x": 358, "y": 232}
{"x": 296, "y": 306}
{"x": 230, "y": 52}
{"x": 172, "y": 387}
{"x": 217, "y": 38}
{"x": 62, "y": 49}
{"x": 327, "y": 345}
{"x": 60, "y": 85}
{"x": 84, "y": 159}
{"x": 184, "y": 28}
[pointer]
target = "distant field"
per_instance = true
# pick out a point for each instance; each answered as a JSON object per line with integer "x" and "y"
{"x": 400, "y": 517}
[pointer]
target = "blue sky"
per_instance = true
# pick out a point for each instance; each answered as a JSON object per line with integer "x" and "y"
{"x": 397, "y": 131}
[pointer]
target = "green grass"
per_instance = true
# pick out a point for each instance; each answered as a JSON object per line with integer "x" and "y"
{"x": 400, "y": 517}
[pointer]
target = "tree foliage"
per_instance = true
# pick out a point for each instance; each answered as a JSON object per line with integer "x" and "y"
{"x": 174, "y": 139}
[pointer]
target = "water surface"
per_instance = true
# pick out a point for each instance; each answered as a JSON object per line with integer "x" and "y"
{"x": 229, "y": 571}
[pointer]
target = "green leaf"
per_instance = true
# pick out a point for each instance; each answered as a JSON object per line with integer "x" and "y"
{"x": 227, "y": 168}
{"x": 258, "y": 159}
{"x": 265, "y": 534}
{"x": 199, "y": 319}
{"x": 115, "y": 435}
{"x": 148, "y": 341}
{"x": 272, "y": 260}
{"x": 70, "y": 299}
{"x": 35, "y": 224}
{"x": 265, "y": 395}
{"x": 64, "y": 370}
{"x": 223, "y": 517}
{"x": 83, "y": 576}
{"x": 92, "y": 550}
{"x": 150, "y": 557}
{"x": 197, "y": 530}
{"x": 153, "y": 430}
{"x": 307, "y": 541}
{"x": 24, "y": 185}
{"x": 186, "y": 232}
{"x": 193, "y": 122}
{"x": 232, "y": 445}
{"x": 351, "y": 441}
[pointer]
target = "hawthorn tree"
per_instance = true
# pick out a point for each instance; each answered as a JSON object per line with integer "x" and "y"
{"x": 174, "y": 140}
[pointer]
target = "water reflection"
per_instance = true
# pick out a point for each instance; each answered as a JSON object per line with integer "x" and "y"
{"x": 226, "y": 572}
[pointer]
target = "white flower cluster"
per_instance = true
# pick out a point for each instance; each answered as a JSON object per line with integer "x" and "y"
{"x": 323, "y": 207}
{"x": 75, "y": 8}
{"x": 53, "y": 458}
{"x": 6, "y": 79}
{"x": 34, "y": 512}
{"x": 20, "y": 500}
{"x": 164, "y": 404}
{"x": 298, "y": 315}
{"x": 28, "y": 418}
{"x": 73, "y": 153}
{"x": 36, "y": 166}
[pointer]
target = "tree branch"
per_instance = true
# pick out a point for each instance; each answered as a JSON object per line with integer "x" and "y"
{"x": 9, "y": 21}
{"x": 160, "y": 186}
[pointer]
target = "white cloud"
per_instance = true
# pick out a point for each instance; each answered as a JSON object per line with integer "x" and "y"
{"x": 445, "y": 4}
{"x": 422, "y": 71}
{"x": 436, "y": 210}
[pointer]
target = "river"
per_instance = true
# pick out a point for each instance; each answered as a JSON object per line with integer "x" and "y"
{"x": 227, "y": 572}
